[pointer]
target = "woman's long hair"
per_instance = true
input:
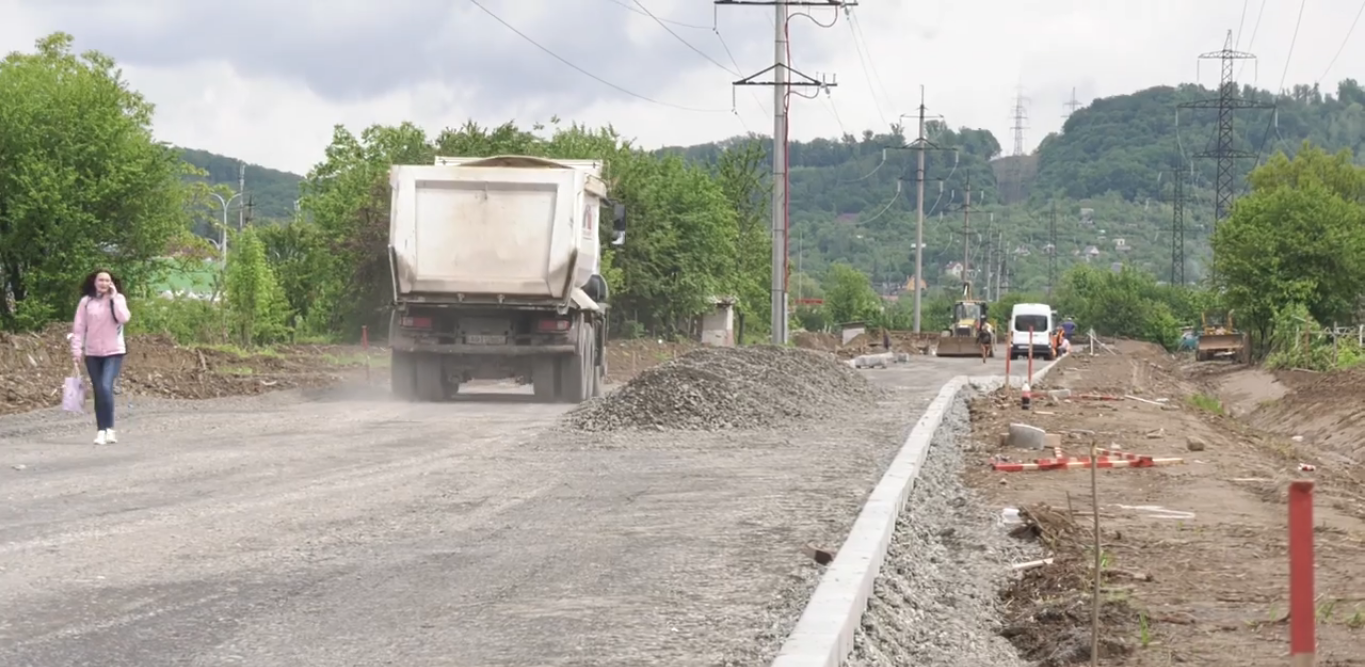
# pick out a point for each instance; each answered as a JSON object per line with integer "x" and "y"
{"x": 88, "y": 286}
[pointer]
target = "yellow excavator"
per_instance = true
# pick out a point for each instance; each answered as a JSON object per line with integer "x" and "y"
{"x": 960, "y": 339}
{"x": 1219, "y": 337}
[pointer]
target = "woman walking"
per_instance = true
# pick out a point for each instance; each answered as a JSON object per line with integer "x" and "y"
{"x": 97, "y": 337}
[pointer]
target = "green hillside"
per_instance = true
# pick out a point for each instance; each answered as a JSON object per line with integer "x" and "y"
{"x": 270, "y": 191}
{"x": 853, "y": 198}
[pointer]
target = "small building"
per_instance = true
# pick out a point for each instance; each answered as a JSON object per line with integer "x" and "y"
{"x": 718, "y": 325}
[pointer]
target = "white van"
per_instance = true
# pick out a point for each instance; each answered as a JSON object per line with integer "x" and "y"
{"x": 1042, "y": 320}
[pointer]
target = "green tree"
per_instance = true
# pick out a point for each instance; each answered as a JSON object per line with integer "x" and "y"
{"x": 256, "y": 307}
{"x": 1298, "y": 238}
{"x": 83, "y": 184}
{"x": 849, "y": 296}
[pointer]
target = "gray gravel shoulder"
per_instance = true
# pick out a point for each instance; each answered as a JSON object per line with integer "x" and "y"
{"x": 936, "y": 601}
{"x": 311, "y": 530}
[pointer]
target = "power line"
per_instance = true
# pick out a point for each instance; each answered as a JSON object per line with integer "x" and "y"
{"x": 585, "y": 72}
{"x": 857, "y": 27}
{"x": 1292, "y": 41}
{"x": 1344, "y": 42}
{"x": 1256, "y": 28}
{"x": 680, "y": 24}
{"x": 686, "y": 43}
{"x": 1241, "y": 22}
{"x": 867, "y": 74}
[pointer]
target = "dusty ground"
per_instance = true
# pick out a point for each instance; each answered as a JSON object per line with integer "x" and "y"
{"x": 32, "y": 367}
{"x": 865, "y": 343}
{"x": 331, "y": 527}
{"x": 1206, "y": 587}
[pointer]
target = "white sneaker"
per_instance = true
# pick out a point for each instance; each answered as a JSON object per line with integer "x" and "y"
{"x": 102, "y": 438}
{"x": 109, "y": 437}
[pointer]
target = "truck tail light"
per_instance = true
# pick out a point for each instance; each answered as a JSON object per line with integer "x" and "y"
{"x": 415, "y": 322}
{"x": 552, "y": 326}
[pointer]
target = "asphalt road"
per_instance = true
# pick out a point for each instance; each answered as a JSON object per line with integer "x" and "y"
{"x": 299, "y": 531}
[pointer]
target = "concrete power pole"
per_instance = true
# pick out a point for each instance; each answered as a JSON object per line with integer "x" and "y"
{"x": 1178, "y": 227}
{"x": 921, "y": 144}
{"x": 1052, "y": 250}
{"x": 784, "y": 79}
{"x": 241, "y": 187}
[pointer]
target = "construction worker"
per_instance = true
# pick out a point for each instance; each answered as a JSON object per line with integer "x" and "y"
{"x": 1069, "y": 327}
{"x": 985, "y": 337}
{"x": 1058, "y": 338}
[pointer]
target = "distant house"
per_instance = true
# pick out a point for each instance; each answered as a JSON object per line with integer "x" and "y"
{"x": 953, "y": 269}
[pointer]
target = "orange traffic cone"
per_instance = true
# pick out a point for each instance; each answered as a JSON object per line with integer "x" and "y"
{"x": 1025, "y": 397}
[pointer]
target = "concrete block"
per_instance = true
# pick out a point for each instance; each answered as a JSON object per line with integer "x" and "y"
{"x": 1051, "y": 440}
{"x": 1059, "y": 394}
{"x": 1023, "y": 436}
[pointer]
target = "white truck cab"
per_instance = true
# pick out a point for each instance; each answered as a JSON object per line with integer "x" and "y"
{"x": 1035, "y": 317}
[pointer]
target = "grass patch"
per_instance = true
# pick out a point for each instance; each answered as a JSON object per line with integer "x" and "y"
{"x": 1206, "y": 403}
{"x": 236, "y": 370}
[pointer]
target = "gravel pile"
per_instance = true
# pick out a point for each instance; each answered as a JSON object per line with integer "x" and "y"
{"x": 718, "y": 388}
{"x": 937, "y": 599}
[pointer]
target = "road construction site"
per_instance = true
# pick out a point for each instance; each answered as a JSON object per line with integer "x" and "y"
{"x": 671, "y": 523}
{"x": 1194, "y": 543}
{"x": 686, "y": 519}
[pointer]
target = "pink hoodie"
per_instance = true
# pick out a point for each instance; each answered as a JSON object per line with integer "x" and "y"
{"x": 98, "y": 331}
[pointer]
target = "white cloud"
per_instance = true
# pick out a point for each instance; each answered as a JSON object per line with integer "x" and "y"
{"x": 969, "y": 54}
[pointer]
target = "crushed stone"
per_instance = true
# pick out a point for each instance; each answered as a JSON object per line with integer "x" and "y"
{"x": 937, "y": 599}
{"x": 724, "y": 388}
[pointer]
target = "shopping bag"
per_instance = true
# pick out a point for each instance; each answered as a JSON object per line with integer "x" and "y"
{"x": 73, "y": 395}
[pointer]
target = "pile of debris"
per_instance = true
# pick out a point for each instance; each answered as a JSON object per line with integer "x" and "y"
{"x": 713, "y": 389}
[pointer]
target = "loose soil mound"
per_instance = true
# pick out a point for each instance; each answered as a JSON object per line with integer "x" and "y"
{"x": 1329, "y": 412}
{"x": 728, "y": 388}
{"x": 32, "y": 367}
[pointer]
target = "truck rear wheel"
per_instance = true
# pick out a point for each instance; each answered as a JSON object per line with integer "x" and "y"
{"x": 431, "y": 378}
{"x": 544, "y": 379}
{"x": 577, "y": 373}
{"x": 403, "y": 375}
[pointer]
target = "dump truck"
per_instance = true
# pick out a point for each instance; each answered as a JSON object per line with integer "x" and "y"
{"x": 1219, "y": 337}
{"x": 496, "y": 267}
{"x": 960, "y": 339}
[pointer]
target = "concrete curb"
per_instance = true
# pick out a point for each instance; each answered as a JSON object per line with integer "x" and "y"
{"x": 823, "y": 636}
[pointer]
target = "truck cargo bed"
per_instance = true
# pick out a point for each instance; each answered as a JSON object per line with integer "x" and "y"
{"x": 520, "y": 228}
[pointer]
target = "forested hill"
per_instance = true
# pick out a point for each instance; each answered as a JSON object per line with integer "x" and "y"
{"x": 1121, "y": 144}
{"x": 853, "y": 198}
{"x": 271, "y": 192}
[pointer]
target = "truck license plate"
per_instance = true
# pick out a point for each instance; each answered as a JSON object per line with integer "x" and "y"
{"x": 486, "y": 340}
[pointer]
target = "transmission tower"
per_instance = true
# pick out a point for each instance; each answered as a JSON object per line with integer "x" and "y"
{"x": 1227, "y": 103}
{"x": 1052, "y": 250}
{"x": 1072, "y": 104}
{"x": 785, "y": 79}
{"x": 1178, "y": 227}
{"x": 1020, "y": 116}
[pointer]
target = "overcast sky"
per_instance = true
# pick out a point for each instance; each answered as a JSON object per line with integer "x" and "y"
{"x": 266, "y": 80}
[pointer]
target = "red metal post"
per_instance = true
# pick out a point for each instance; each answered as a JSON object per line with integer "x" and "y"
{"x": 1008, "y": 345}
{"x": 1302, "y": 610}
{"x": 1029, "y": 378}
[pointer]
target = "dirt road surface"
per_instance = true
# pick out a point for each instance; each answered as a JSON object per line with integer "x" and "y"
{"x": 335, "y": 527}
{"x": 1194, "y": 555}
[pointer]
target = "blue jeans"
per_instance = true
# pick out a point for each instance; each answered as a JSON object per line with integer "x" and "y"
{"x": 103, "y": 371}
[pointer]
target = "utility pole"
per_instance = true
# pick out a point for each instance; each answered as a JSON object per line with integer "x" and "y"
{"x": 1227, "y": 103}
{"x": 1052, "y": 250}
{"x": 921, "y": 144}
{"x": 966, "y": 233}
{"x": 784, "y": 79}
{"x": 241, "y": 188}
{"x": 1178, "y": 227}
